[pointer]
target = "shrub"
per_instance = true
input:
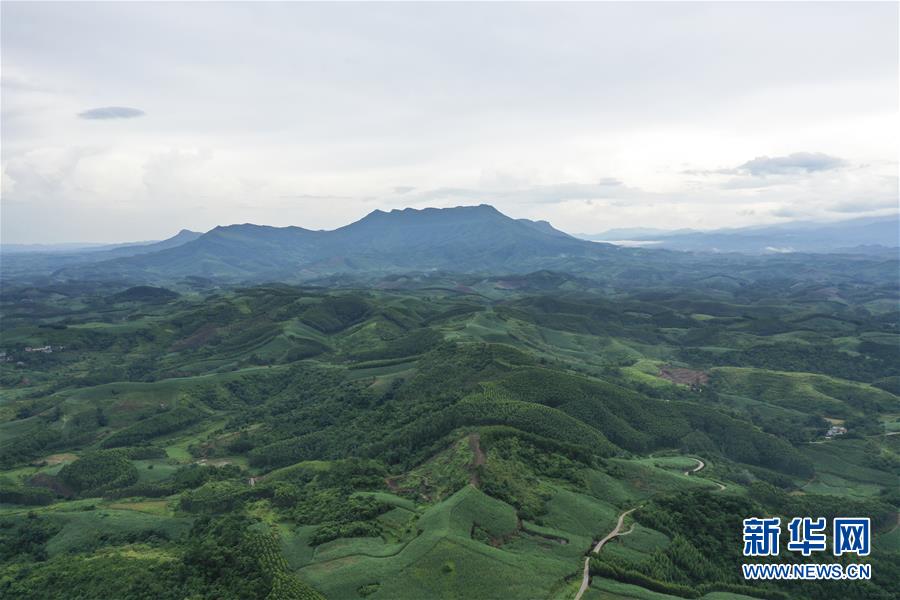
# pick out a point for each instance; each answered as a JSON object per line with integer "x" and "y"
{"x": 99, "y": 471}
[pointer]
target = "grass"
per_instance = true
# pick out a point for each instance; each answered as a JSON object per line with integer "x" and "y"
{"x": 645, "y": 480}
{"x": 443, "y": 560}
{"x": 841, "y": 470}
{"x": 295, "y": 544}
{"x": 889, "y": 541}
{"x": 642, "y": 540}
{"x": 81, "y": 529}
{"x": 808, "y": 393}
{"x": 392, "y": 499}
{"x": 442, "y": 537}
{"x": 674, "y": 463}
{"x": 891, "y": 423}
{"x": 607, "y": 589}
{"x": 154, "y": 469}
{"x": 440, "y": 476}
{"x": 152, "y": 507}
{"x": 580, "y": 515}
{"x": 177, "y": 444}
{"x": 369, "y": 546}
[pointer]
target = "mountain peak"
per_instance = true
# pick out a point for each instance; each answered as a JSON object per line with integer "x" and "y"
{"x": 472, "y": 238}
{"x": 483, "y": 208}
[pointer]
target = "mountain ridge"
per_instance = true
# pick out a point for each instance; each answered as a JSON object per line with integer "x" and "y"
{"x": 796, "y": 236}
{"x": 464, "y": 238}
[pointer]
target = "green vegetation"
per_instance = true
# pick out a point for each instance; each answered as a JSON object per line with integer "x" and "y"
{"x": 99, "y": 470}
{"x": 438, "y": 435}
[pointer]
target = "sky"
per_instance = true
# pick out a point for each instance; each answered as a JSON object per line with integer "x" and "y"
{"x": 130, "y": 121}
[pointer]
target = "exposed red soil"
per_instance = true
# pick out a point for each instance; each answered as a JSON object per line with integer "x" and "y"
{"x": 684, "y": 376}
{"x": 52, "y": 483}
{"x": 196, "y": 339}
{"x": 480, "y": 459}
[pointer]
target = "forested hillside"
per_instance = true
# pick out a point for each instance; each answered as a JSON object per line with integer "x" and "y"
{"x": 440, "y": 435}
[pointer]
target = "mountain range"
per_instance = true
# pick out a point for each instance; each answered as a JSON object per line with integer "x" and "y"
{"x": 869, "y": 235}
{"x": 461, "y": 239}
{"x": 465, "y": 239}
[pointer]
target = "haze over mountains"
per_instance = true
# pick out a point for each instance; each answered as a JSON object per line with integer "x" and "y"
{"x": 467, "y": 239}
{"x": 864, "y": 235}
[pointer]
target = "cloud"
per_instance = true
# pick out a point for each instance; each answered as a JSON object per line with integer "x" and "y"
{"x": 706, "y": 172}
{"x": 403, "y": 189}
{"x": 863, "y": 205}
{"x": 789, "y": 212}
{"x": 798, "y": 162}
{"x": 793, "y": 164}
{"x": 536, "y": 139}
{"x": 313, "y": 197}
{"x": 603, "y": 188}
{"x": 111, "y": 112}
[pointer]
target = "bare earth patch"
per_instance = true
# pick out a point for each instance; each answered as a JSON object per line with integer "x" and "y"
{"x": 684, "y": 376}
{"x": 475, "y": 446}
{"x": 57, "y": 459}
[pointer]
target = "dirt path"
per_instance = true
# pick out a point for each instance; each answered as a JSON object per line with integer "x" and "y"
{"x": 475, "y": 446}
{"x": 700, "y": 465}
{"x": 616, "y": 532}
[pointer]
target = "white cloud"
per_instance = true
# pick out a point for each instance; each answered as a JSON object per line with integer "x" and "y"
{"x": 797, "y": 162}
{"x": 589, "y": 115}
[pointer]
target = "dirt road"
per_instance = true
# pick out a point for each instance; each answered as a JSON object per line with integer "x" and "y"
{"x": 475, "y": 446}
{"x": 700, "y": 465}
{"x": 586, "y": 577}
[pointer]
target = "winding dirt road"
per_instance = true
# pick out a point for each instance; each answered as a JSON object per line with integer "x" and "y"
{"x": 700, "y": 465}
{"x": 586, "y": 577}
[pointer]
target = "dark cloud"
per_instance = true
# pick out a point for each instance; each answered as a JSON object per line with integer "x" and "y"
{"x": 111, "y": 112}
{"x": 798, "y": 162}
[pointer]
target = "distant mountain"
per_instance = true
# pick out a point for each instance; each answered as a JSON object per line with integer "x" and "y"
{"x": 35, "y": 259}
{"x": 66, "y": 247}
{"x": 466, "y": 240}
{"x": 123, "y": 249}
{"x": 632, "y": 233}
{"x": 461, "y": 239}
{"x": 856, "y": 236}
{"x": 182, "y": 237}
{"x": 545, "y": 227}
